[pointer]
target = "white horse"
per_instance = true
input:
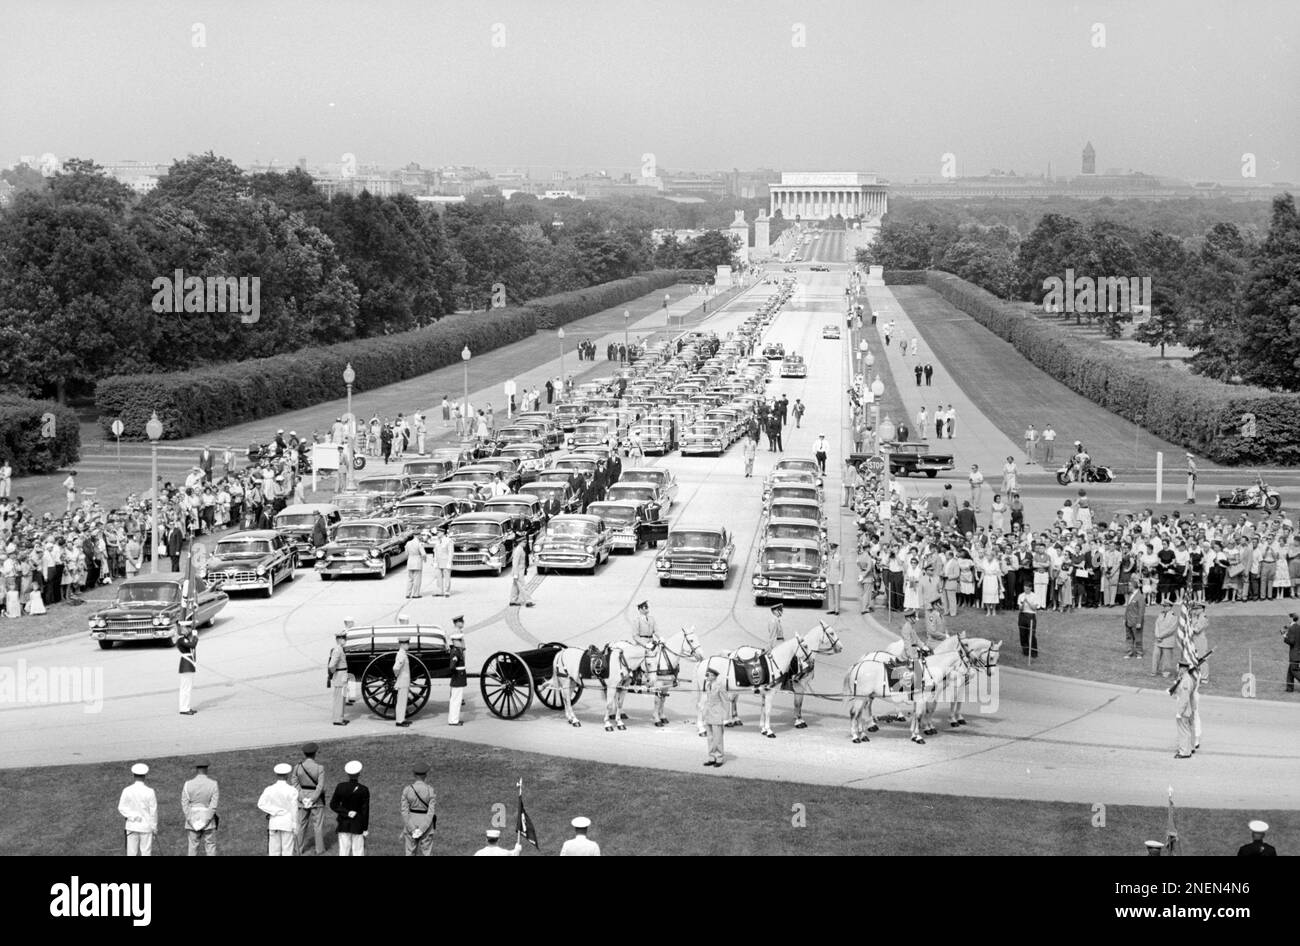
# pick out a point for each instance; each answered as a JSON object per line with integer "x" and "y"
{"x": 609, "y": 668}
{"x": 789, "y": 663}
{"x": 975, "y": 654}
{"x": 658, "y": 667}
{"x": 868, "y": 680}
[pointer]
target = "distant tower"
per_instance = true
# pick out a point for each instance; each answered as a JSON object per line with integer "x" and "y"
{"x": 1089, "y": 159}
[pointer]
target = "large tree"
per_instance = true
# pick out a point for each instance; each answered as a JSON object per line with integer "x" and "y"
{"x": 1269, "y": 321}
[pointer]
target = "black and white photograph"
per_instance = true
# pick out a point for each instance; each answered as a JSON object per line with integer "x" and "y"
{"x": 688, "y": 429}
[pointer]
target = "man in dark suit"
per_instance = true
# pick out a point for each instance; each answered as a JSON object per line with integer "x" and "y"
{"x": 966, "y": 519}
{"x": 351, "y": 802}
{"x": 206, "y": 458}
{"x": 1257, "y": 847}
{"x": 175, "y": 543}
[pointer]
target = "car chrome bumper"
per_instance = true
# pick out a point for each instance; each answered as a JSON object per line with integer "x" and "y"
{"x": 567, "y": 561}
{"x": 350, "y": 568}
{"x": 154, "y": 633}
{"x": 245, "y": 585}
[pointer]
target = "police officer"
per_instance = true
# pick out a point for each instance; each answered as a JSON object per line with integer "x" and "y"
{"x": 199, "y": 797}
{"x": 775, "y": 632}
{"x": 580, "y": 845}
{"x": 337, "y": 673}
{"x": 308, "y": 778}
{"x": 418, "y": 816}
{"x": 351, "y": 803}
{"x": 1257, "y": 847}
{"x": 458, "y": 676}
{"x": 647, "y": 631}
{"x": 402, "y": 674}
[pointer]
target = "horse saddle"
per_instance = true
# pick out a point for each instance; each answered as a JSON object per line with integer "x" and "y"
{"x": 594, "y": 664}
{"x": 898, "y": 670}
{"x": 751, "y": 671}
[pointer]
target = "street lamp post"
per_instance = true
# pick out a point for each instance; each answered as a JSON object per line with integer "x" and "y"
{"x": 627, "y": 349}
{"x": 464, "y": 357}
{"x": 349, "y": 376}
{"x": 155, "y": 430}
{"x": 560, "y": 333}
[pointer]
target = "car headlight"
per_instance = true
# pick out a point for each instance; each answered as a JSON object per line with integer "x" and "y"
{"x": 590, "y": 549}
{"x": 373, "y": 553}
{"x": 661, "y": 563}
{"x": 158, "y": 621}
{"x": 719, "y": 566}
{"x": 717, "y": 443}
{"x": 760, "y": 581}
{"x": 261, "y": 569}
{"x": 819, "y": 582}
{"x": 494, "y": 549}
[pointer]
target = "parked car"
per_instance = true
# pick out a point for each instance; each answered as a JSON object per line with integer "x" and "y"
{"x": 568, "y": 416}
{"x": 421, "y": 513}
{"x": 795, "y": 465}
{"x": 253, "y": 560}
{"x": 469, "y": 493}
{"x": 572, "y": 541}
{"x": 781, "y": 490}
{"x": 149, "y": 607}
{"x": 483, "y": 541}
{"x": 661, "y": 476}
{"x": 695, "y": 553}
{"x": 779, "y": 529}
{"x": 774, "y": 351}
{"x": 830, "y": 330}
{"x": 792, "y": 366}
{"x": 790, "y": 570}
{"x": 365, "y": 547}
{"x": 796, "y": 509}
{"x": 391, "y": 487}
{"x": 529, "y": 459}
{"x": 631, "y": 523}
{"x": 527, "y": 516}
{"x": 297, "y": 523}
{"x": 421, "y": 474}
{"x": 657, "y": 436}
{"x": 915, "y": 456}
{"x": 557, "y": 496}
{"x": 701, "y": 438}
{"x": 591, "y": 468}
{"x": 507, "y": 467}
{"x": 354, "y": 505}
{"x": 644, "y": 492}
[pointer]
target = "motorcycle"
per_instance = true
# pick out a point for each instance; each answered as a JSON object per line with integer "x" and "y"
{"x": 1259, "y": 496}
{"x": 1093, "y": 473}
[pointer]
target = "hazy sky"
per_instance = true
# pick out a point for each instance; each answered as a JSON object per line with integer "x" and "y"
{"x": 1180, "y": 88}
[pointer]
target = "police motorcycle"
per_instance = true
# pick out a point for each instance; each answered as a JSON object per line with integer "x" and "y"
{"x": 1257, "y": 496}
{"x": 1091, "y": 472}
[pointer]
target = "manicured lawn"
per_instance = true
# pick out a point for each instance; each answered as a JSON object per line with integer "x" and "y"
{"x": 636, "y": 811}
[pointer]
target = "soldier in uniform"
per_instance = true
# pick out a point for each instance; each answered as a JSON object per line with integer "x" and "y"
{"x": 309, "y": 779}
{"x": 1154, "y": 848}
{"x": 279, "y": 802}
{"x": 188, "y": 645}
{"x": 443, "y": 550}
{"x": 714, "y": 713}
{"x": 1185, "y": 693}
{"x": 494, "y": 848}
{"x": 351, "y": 802}
{"x": 199, "y": 797}
{"x": 418, "y": 816}
{"x": 775, "y": 632}
{"x": 337, "y": 674}
{"x": 834, "y": 579}
{"x": 1257, "y": 847}
{"x": 519, "y": 575}
{"x": 458, "y": 676}
{"x": 402, "y": 675}
{"x": 647, "y": 631}
{"x": 139, "y": 806}
{"x": 580, "y": 845}
{"x": 415, "y": 565}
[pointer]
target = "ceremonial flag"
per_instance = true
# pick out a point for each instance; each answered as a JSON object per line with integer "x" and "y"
{"x": 523, "y": 823}
{"x": 1171, "y": 832}
{"x": 1186, "y": 644}
{"x": 189, "y": 591}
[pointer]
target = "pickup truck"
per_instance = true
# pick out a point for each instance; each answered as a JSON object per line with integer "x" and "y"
{"x": 915, "y": 456}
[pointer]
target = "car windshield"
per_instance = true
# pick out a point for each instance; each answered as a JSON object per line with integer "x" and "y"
{"x": 615, "y": 515}
{"x": 569, "y": 528}
{"x": 800, "y": 466}
{"x": 422, "y": 510}
{"x": 703, "y": 431}
{"x": 428, "y": 468}
{"x": 385, "y": 485}
{"x": 793, "y": 492}
{"x": 792, "y": 530}
{"x": 648, "y": 476}
{"x": 791, "y": 557}
{"x": 511, "y": 509}
{"x": 162, "y": 591}
{"x": 792, "y": 511}
{"x": 243, "y": 547}
{"x": 582, "y": 466}
{"x": 474, "y": 528}
{"x": 620, "y": 491}
{"x": 522, "y": 453}
{"x": 295, "y": 521}
{"x": 547, "y": 491}
{"x": 710, "y": 541}
{"x": 351, "y": 533}
{"x": 472, "y": 476}
{"x": 354, "y": 502}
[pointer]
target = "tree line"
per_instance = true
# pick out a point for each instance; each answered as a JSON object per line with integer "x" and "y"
{"x": 80, "y": 251}
{"x": 1226, "y": 286}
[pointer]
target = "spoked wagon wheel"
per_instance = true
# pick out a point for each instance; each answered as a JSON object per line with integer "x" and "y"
{"x": 379, "y": 690}
{"x": 507, "y": 685}
{"x": 551, "y": 696}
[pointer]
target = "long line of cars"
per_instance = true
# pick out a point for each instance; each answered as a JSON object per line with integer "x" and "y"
{"x": 555, "y": 477}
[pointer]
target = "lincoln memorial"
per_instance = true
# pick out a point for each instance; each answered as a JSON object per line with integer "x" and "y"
{"x": 817, "y": 195}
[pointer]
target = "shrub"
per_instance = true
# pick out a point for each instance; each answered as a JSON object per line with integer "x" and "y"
{"x": 562, "y": 308}
{"x": 22, "y": 442}
{"x": 1199, "y": 413}
{"x": 904, "y": 277}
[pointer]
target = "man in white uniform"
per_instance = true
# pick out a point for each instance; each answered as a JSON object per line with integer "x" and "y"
{"x": 443, "y": 548}
{"x": 139, "y": 806}
{"x": 279, "y": 802}
{"x": 494, "y": 848}
{"x": 199, "y": 798}
{"x": 402, "y": 674}
{"x": 580, "y": 845}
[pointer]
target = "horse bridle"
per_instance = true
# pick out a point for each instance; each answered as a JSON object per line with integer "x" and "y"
{"x": 972, "y": 661}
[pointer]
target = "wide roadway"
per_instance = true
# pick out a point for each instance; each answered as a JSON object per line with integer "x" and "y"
{"x": 262, "y": 677}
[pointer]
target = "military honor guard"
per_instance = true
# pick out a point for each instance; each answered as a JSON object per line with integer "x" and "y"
{"x": 402, "y": 675}
{"x": 580, "y": 845}
{"x": 493, "y": 847}
{"x": 418, "y": 816}
{"x": 188, "y": 645}
{"x": 351, "y": 803}
{"x": 414, "y": 565}
{"x": 1184, "y": 692}
{"x": 1155, "y": 849}
{"x": 647, "y": 631}
{"x": 458, "y": 677}
{"x": 443, "y": 550}
{"x": 337, "y": 674}
{"x": 139, "y": 806}
{"x": 713, "y": 709}
{"x": 1257, "y": 847}
{"x": 775, "y": 631}
{"x": 309, "y": 779}
{"x": 279, "y": 802}
{"x": 199, "y": 798}
{"x": 834, "y": 580}
{"x": 519, "y": 576}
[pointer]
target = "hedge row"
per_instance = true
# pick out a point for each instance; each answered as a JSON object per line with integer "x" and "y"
{"x": 1199, "y": 413}
{"x": 193, "y": 402}
{"x": 38, "y": 436}
{"x": 562, "y": 308}
{"x": 904, "y": 277}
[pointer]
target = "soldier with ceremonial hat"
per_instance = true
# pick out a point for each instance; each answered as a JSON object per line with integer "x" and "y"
{"x": 580, "y": 845}
{"x": 775, "y": 632}
{"x": 494, "y": 848}
{"x": 458, "y": 677}
{"x": 139, "y": 806}
{"x": 351, "y": 803}
{"x": 1154, "y": 849}
{"x": 309, "y": 780}
{"x": 336, "y": 673}
{"x": 418, "y": 816}
{"x": 199, "y": 797}
{"x": 647, "y": 631}
{"x": 279, "y": 802}
{"x": 402, "y": 674}
{"x": 713, "y": 713}
{"x": 1184, "y": 691}
{"x": 1257, "y": 847}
